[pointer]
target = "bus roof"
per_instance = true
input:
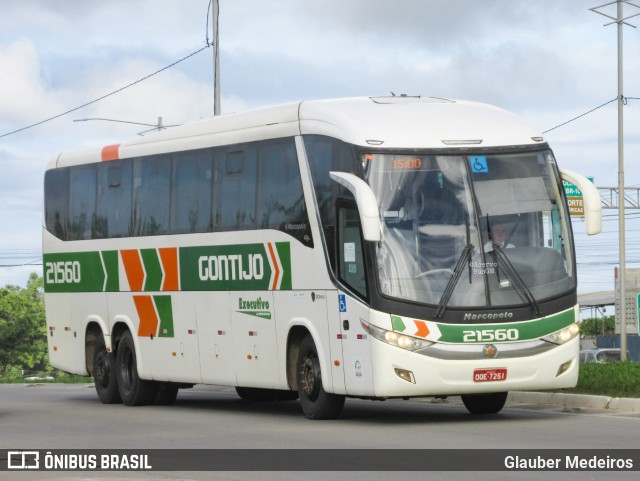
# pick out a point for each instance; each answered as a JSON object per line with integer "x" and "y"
{"x": 380, "y": 122}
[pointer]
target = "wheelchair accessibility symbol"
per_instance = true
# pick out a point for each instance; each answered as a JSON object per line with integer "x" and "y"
{"x": 342, "y": 300}
{"x": 478, "y": 164}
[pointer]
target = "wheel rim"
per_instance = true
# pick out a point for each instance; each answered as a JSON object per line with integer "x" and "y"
{"x": 310, "y": 375}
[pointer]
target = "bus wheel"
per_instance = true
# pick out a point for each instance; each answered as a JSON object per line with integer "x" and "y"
{"x": 133, "y": 390}
{"x": 104, "y": 373}
{"x": 491, "y": 403}
{"x": 165, "y": 394}
{"x": 315, "y": 401}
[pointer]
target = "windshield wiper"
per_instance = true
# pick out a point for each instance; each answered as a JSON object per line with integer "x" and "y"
{"x": 465, "y": 258}
{"x": 511, "y": 272}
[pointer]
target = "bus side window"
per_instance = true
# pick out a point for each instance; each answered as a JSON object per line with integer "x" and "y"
{"x": 191, "y": 192}
{"x": 281, "y": 202}
{"x": 55, "y": 201}
{"x": 113, "y": 210}
{"x": 350, "y": 252}
{"x": 151, "y": 195}
{"x": 235, "y": 189}
{"x": 82, "y": 202}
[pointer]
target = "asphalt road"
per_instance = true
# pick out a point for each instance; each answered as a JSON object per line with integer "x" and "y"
{"x": 58, "y": 416}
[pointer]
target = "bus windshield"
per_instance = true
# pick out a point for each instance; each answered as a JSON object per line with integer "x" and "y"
{"x": 471, "y": 231}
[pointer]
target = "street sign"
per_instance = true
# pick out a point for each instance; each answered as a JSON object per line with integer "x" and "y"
{"x": 574, "y": 198}
{"x": 570, "y": 190}
{"x": 576, "y": 205}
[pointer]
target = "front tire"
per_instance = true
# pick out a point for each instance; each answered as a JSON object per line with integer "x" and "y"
{"x": 315, "y": 401}
{"x": 491, "y": 403}
{"x": 133, "y": 390}
{"x": 104, "y": 373}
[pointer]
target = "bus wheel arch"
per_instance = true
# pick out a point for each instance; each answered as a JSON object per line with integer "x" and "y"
{"x": 119, "y": 328}
{"x": 294, "y": 339}
{"x": 316, "y": 403}
{"x": 92, "y": 333}
{"x": 103, "y": 365}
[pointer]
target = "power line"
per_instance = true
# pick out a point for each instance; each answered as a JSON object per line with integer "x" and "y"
{"x": 20, "y": 265}
{"x": 580, "y": 116}
{"x": 106, "y": 95}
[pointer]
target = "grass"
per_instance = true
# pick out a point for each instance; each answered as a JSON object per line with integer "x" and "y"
{"x": 616, "y": 379}
{"x": 51, "y": 377}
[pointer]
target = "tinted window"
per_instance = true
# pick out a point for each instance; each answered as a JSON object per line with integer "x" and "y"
{"x": 240, "y": 187}
{"x": 55, "y": 201}
{"x": 113, "y": 211}
{"x": 325, "y": 155}
{"x": 281, "y": 205}
{"x": 191, "y": 193}
{"x": 151, "y": 195}
{"x": 82, "y": 202}
{"x": 235, "y": 206}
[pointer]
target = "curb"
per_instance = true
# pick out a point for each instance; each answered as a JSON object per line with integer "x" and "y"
{"x": 575, "y": 401}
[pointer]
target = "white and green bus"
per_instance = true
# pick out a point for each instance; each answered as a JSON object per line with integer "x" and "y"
{"x": 384, "y": 247}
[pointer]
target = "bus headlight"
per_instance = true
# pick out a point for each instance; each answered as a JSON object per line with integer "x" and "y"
{"x": 402, "y": 341}
{"x": 564, "y": 335}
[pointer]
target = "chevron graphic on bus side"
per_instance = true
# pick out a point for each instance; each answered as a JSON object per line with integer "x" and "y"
{"x": 151, "y": 269}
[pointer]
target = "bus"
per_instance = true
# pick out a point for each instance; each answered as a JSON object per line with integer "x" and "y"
{"x": 376, "y": 247}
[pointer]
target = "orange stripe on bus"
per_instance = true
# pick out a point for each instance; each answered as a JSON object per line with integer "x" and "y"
{"x": 275, "y": 266}
{"x": 147, "y": 314}
{"x": 169, "y": 259}
{"x": 110, "y": 152}
{"x": 133, "y": 268}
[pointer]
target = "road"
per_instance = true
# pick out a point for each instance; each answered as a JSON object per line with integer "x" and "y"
{"x": 58, "y": 416}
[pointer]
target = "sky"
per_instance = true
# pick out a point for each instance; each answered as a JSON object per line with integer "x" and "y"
{"x": 547, "y": 61}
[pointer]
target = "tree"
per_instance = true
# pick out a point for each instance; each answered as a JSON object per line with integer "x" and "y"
{"x": 594, "y": 326}
{"x": 23, "y": 331}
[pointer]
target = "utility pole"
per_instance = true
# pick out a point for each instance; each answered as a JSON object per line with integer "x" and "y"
{"x": 215, "y": 11}
{"x": 620, "y": 20}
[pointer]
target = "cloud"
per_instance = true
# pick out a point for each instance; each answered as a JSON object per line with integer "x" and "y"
{"x": 547, "y": 61}
{"x": 24, "y": 91}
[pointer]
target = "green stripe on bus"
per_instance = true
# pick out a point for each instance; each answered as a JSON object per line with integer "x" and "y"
{"x": 284, "y": 253}
{"x": 110, "y": 260}
{"x": 163, "y": 306}
{"x": 81, "y": 272}
{"x": 152, "y": 268}
{"x": 535, "y": 329}
{"x": 73, "y": 272}
{"x": 240, "y": 267}
{"x": 397, "y": 324}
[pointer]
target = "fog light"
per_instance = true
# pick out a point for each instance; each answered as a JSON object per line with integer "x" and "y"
{"x": 405, "y": 375}
{"x": 564, "y": 368}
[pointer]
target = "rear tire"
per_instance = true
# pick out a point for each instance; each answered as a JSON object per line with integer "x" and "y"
{"x": 491, "y": 403}
{"x": 104, "y": 373}
{"x": 133, "y": 390}
{"x": 315, "y": 401}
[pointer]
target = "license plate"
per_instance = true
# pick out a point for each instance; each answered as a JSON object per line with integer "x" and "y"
{"x": 489, "y": 375}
